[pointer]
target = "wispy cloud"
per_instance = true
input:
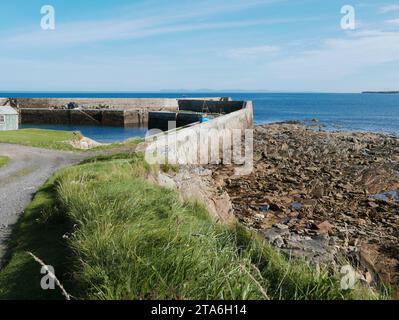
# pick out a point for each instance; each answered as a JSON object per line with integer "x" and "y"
{"x": 252, "y": 52}
{"x": 389, "y": 8}
{"x": 338, "y": 58}
{"x": 189, "y": 16}
{"x": 394, "y": 22}
{"x": 83, "y": 33}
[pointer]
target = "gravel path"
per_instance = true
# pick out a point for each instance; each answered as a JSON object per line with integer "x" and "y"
{"x": 27, "y": 170}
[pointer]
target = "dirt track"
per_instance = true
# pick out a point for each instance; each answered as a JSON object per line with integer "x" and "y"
{"x": 26, "y": 171}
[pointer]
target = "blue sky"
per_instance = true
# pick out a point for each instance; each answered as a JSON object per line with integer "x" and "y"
{"x": 150, "y": 45}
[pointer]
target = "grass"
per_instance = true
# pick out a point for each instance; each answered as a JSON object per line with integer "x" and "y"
{"x": 111, "y": 234}
{"x": 50, "y": 139}
{"x": 4, "y": 160}
{"x": 119, "y": 145}
{"x": 167, "y": 167}
{"x": 56, "y": 139}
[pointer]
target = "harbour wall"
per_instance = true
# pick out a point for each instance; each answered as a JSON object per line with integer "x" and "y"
{"x": 120, "y": 112}
{"x": 120, "y": 118}
{"x": 152, "y": 104}
{"x": 220, "y": 107}
{"x": 160, "y": 119}
{"x": 89, "y": 111}
{"x": 181, "y": 145}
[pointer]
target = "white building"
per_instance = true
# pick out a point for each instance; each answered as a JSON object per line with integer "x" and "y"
{"x": 8, "y": 118}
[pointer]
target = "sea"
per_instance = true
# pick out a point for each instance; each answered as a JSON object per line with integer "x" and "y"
{"x": 334, "y": 111}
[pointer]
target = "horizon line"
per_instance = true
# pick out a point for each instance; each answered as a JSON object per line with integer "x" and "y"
{"x": 185, "y": 91}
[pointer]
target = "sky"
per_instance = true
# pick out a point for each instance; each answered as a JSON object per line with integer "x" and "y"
{"x": 220, "y": 45}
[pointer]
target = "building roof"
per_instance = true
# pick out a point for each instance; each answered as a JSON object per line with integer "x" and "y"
{"x": 7, "y": 110}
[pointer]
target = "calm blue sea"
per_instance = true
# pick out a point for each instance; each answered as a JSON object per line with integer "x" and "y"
{"x": 97, "y": 133}
{"x": 354, "y": 112}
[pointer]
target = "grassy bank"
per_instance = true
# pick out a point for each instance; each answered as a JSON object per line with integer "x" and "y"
{"x": 50, "y": 139}
{"x": 111, "y": 234}
{"x": 56, "y": 139}
{"x": 3, "y": 161}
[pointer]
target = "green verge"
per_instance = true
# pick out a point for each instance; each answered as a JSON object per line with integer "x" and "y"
{"x": 57, "y": 139}
{"x": 49, "y": 139}
{"x": 3, "y": 161}
{"x": 112, "y": 234}
{"x": 119, "y": 147}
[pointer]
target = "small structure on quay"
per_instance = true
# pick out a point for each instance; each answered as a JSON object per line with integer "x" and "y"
{"x": 9, "y": 118}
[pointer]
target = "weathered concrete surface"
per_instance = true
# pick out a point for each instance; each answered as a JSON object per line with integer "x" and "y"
{"x": 27, "y": 170}
{"x": 160, "y": 119}
{"x": 155, "y": 104}
{"x": 111, "y": 117}
{"x": 202, "y": 106}
{"x": 181, "y": 146}
{"x": 110, "y": 112}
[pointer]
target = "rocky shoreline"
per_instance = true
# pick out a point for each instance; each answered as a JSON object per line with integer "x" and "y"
{"x": 321, "y": 195}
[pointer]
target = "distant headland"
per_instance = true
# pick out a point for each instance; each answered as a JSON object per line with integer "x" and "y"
{"x": 382, "y": 92}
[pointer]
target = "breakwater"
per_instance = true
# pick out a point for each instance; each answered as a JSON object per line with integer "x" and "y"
{"x": 106, "y": 112}
{"x": 120, "y": 118}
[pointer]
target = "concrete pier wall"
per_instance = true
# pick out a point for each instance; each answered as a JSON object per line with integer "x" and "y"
{"x": 181, "y": 145}
{"x": 84, "y": 117}
{"x": 191, "y": 110}
{"x": 152, "y": 104}
{"x": 160, "y": 119}
{"x": 109, "y": 112}
{"x": 221, "y": 107}
{"x": 184, "y": 119}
